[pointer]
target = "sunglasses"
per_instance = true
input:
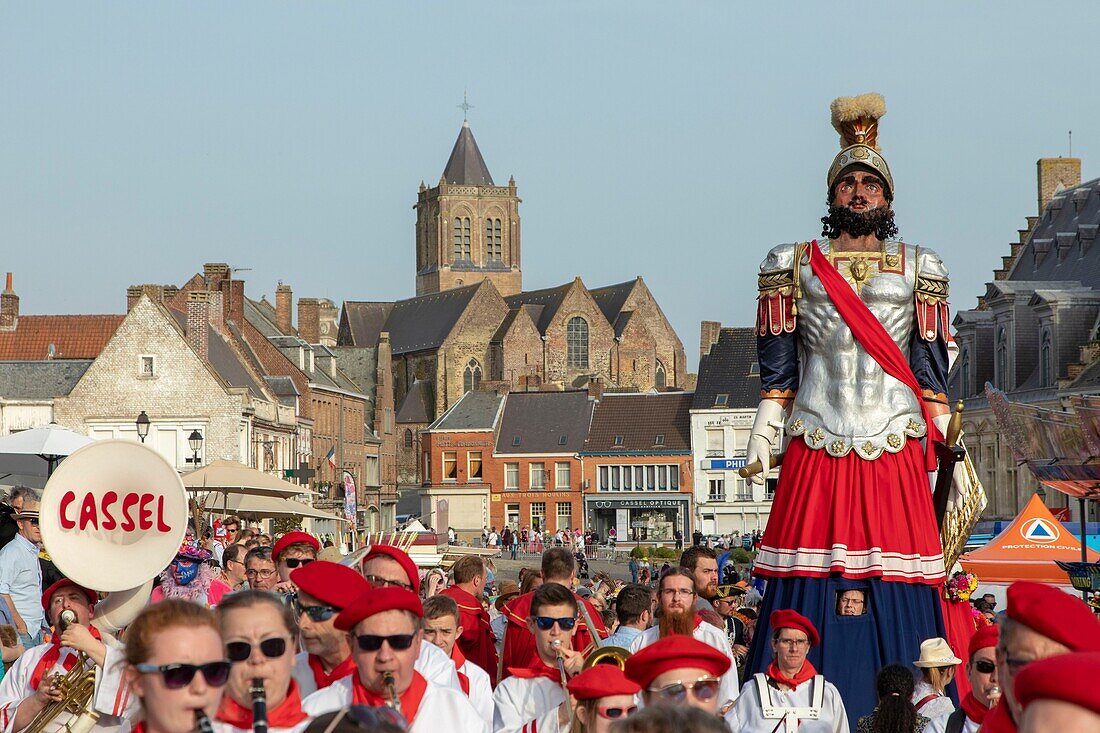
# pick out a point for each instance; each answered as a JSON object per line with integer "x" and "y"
{"x": 379, "y": 582}
{"x": 372, "y": 643}
{"x": 985, "y": 666}
{"x": 32, "y": 520}
{"x": 180, "y": 675}
{"x": 238, "y": 651}
{"x": 703, "y": 689}
{"x": 545, "y": 623}
{"x": 616, "y": 713}
{"x": 317, "y": 613}
{"x": 293, "y": 562}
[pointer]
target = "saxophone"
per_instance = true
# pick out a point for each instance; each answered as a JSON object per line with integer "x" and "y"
{"x": 390, "y": 683}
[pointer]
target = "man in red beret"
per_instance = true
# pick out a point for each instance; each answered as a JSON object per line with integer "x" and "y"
{"x": 1040, "y": 622}
{"x": 324, "y": 590}
{"x": 984, "y": 692}
{"x": 28, "y": 686}
{"x": 384, "y": 627}
{"x": 680, "y": 670}
{"x": 531, "y": 699}
{"x": 293, "y": 550}
{"x": 477, "y": 642}
{"x": 677, "y": 616}
{"x": 1059, "y": 694}
{"x": 791, "y": 695}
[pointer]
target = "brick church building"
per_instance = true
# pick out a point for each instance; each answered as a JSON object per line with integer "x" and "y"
{"x": 471, "y": 324}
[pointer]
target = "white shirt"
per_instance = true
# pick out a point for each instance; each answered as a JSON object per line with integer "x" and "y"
{"x": 712, "y": 636}
{"x": 432, "y": 664}
{"x": 441, "y": 709}
{"x": 748, "y": 715}
{"x": 222, "y": 727}
{"x": 938, "y": 707}
{"x": 21, "y": 578}
{"x": 527, "y": 705}
{"x": 481, "y": 691}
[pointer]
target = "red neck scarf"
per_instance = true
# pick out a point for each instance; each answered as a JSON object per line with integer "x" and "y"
{"x": 324, "y": 679}
{"x": 459, "y": 660}
{"x": 49, "y": 659}
{"x": 974, "y": 709}
{"x": 805, "y": 674}
{"x": 999, "y": 719}
{"x": 872, "y": 336}
{"x": 538, "y": 668}
{"x": 410, "y": 698}
{"x": 286, "y": 714}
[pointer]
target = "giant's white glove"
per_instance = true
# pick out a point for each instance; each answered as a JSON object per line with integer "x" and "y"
{"x": 958, "y": 475}
{"x": 770, "y": 418}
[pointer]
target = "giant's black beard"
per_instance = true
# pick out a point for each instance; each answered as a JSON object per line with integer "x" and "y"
{"x": 879, "y": 221}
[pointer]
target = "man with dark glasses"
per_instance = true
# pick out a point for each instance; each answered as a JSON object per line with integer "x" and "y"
{"x": 21, "y": 575}
{"x": 531, "y": 698}
{"x": 981, "y": 671}
{"x": 791, "y": 695}
{"x": 384, "y": 630}
{"x": 1040, "y": 621}
{"x": 293, "y": 550}
{"x": 29, "y": 685}
{"x": 679, "y": 670}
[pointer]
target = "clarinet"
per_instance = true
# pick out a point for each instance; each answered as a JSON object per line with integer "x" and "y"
{"x": 202, "y": 722}
{"x": 259, "y": 706}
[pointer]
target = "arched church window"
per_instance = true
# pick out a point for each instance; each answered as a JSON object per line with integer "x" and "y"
{"x": 462, "y": 237}
{"x": 458, "y": 238}
{"x": 576, "y": 339}
{"x": 408, "y": 438}
{"x": 494, "y": 243}
{"x": 472, "y": 377}
{"x": 1046, "y": 366}
{"x": 659, "y": 378}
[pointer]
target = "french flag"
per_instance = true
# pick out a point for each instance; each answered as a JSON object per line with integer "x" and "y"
{"x": 331, "y": 457}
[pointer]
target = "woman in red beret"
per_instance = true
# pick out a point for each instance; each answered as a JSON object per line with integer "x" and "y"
{"x": 603, "y": 695}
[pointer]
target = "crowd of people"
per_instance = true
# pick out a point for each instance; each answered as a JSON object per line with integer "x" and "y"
{"x": 374, "y": 643}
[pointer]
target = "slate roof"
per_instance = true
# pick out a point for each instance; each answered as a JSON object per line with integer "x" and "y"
{"x": 40, "y": 380}
{"x": 417, "y": 406}
{"x": 466, "y": 166}
{"x": 611, "y": 298}
{"x": 360, "y": 364}
{"x": 475, "y": 410}
{"x": 225, "y": 360}
{"x": 638, "y": 419}
{"x": 540, "y": 421}
{"x": 72, "y": 337}
{"x": 728, "y": 369}
{"x": 425, "y": 322}
{"x": 548, "y": 301}
{"x": 362, "y": 323}
{"x": 1062, "y": 245}
{"x": 261, "y": 314}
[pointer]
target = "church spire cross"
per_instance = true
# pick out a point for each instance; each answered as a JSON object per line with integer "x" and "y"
{"x": 465, "y": 107}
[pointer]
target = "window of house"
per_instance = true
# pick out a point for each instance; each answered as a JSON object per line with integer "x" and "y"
{"x": 639, "y": 478}
{"x": 618, "y": 440}
{"x": 721, "y": 400}
{"x": 662, "y": 478}
{"x": 511, "y": 476}
{"x": 450, "y": 465}
{"x": 538, "y": 515}
{"x": 716, "y": 490}
{"x": 473, "y": 465}
{"x": 616, "y": 478}
{"x": 1002, "y": 359}
{"x": 471, "y": 378}
{"x": 511, "y": 515}
{"x": 576, "y": 340}
{"x": 427, "y": 468}
{"x": 659, "y": 439}
{"x": 604, "y": 483}
{"x": 564, "y": 515}
{"x": 659, "y": 379}
{"x": 651, "y": 477}
{"x": 561, "y": 475}
{"x": 744, "y": 490}
{"x": 716, "y": 442}
{"x": 563, "y": 439}
{"x": 628, "y": 478}
{"x": 148, "y": 366}
{"x": 538, "y": 475}
{"x": 754, "y": 368}
{"x": 515, "y": 440}
{"x": 1045, "y": 366}
{"x": 408, "y": 438}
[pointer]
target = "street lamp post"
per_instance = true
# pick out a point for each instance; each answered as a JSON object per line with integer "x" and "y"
{"x": 142, "y": 424}
{"x": 195, "y": 441}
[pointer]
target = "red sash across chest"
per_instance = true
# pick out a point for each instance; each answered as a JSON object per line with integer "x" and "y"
{"x": 410, "y": 698}
{"x": 52, "y": 655}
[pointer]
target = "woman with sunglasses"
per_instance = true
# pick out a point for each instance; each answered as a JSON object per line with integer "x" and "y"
{"x": 603, "y": 694}
{"x": 259, "y": 633}
{"x": 190, "y": 578}
{"x": 175, "y": 665}
{"x": 679, "y": 670}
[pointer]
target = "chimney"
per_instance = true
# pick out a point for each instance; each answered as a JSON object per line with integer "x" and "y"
{"x": 309, "y": 320}
{"x": 232, "y": 299}
{"x": 708, "y": 335}
{"x": 198, "y": 322}
{"x": 133, "y": 295}
{"x": 595, "y": 389}
{"x": 1055, "y": 174}
{"x": 214, "y": 273}
{"x": 284, "y": 304}
{"x": 216, "y": 313}
{"x": 9, "y": 308}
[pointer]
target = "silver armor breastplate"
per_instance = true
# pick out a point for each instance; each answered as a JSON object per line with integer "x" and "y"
{"x": 845, "y": 400}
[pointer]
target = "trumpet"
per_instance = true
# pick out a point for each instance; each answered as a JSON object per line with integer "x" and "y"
{"x": 390, "y": 683}
{"x": 556, "y": 643}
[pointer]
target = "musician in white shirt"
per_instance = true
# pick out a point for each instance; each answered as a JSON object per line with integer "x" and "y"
{"x": 442, "y": 628}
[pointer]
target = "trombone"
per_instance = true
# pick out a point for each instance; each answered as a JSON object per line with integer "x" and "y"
{"x": 603, "y": 653}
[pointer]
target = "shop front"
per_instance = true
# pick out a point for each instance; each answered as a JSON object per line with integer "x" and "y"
{"x": 639, "y": 520}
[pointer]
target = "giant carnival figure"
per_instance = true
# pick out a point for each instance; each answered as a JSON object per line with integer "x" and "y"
{"x": 852, "y": 334}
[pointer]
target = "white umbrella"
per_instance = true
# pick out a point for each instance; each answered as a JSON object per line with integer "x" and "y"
{"x": 269, "y": 506}
{"x": 236, "y": 478}
{"x": 50, "y": 442}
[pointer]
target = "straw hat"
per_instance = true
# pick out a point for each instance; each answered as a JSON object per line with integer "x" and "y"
{"x": 936, "y": 653}
{"x": 509, "y": 589}
{"x": 30, "y": 509}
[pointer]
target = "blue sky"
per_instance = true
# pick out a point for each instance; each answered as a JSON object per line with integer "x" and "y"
{"x": 677, "y": 141}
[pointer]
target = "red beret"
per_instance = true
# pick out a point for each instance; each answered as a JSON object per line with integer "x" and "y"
{"x": 1068, "y": 677}
{"x": 377, "y": 600}
{"x": 1054, "y": 614}
{"x": 601, "y": 680}
{"x": 674, "y": 652}
{"x": 401, "y": 557}
{"x": 330, "y": 582}
{"x": 66, "y": 583}
{"x": 293, "y": 538}
{"x": 983, "y": 638}
{"x": 788, "y": 619}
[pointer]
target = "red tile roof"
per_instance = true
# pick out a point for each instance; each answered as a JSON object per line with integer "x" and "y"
{"x": 73, "y": 337}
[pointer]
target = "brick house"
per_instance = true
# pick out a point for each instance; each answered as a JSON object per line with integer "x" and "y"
{"x": 637, "y": 467}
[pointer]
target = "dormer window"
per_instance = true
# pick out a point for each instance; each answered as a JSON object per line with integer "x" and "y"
{"x": 515, "y": 440}
{"x": 562, "y": 440}
{"x": 721, "y": 400}
{"x": 754, "y": 368}
{"x": 618, "y": 440}
{"x": 659, "y": 440}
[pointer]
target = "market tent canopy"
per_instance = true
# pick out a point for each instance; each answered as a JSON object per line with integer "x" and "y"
{"x": 237, "y": 478}
{"x": 255, "y": 506}
{"x": 1027, "y": 549}
{"x": 50, "y": 442}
